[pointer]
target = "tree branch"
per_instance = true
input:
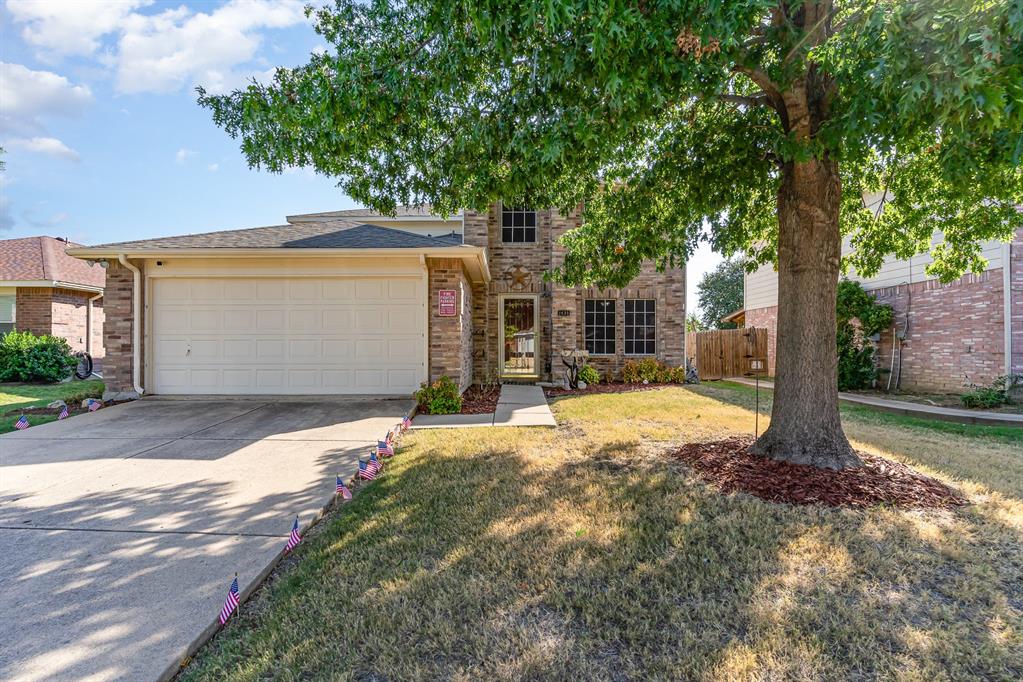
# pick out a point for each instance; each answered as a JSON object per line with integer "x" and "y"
{"x": 758, "y": 100}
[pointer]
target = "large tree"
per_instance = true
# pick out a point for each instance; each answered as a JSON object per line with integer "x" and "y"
{"x": 664, "y": 117}
{"x": 720, "y": 293}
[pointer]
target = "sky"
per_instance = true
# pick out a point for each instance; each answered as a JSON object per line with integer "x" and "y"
{"x": 105, "y": 141}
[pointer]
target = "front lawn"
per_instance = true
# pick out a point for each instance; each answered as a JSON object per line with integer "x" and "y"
{"x": 582, "y": 553}
{"x": 17, "y": 397}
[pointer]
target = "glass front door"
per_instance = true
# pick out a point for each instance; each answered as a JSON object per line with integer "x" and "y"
{"x": 518, "y": 320}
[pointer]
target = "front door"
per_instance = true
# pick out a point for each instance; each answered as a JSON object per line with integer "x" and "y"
{"x": 518, "y": 336}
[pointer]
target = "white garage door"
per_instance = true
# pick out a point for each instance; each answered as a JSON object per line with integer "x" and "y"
{"x": 287, "y": 336}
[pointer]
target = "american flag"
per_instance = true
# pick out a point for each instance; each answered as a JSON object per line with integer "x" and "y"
{"x": 343, "y": 490}
{"x": 22, "y": 423}
{"x": 384, "y": 448}
{"x": 374, "y": 463}
{"x": 365, "y": 473}
{"x": 406, "y": 424}
{"x": 95, "y": 405}
{"x": 63, "y": 413}
{"x": 231, "y": 603}
{"x": 294, "y": 538}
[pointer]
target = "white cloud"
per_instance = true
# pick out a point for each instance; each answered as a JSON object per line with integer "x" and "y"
{"x": 6, "y": 219}
{"x": 176, "y": 48}
{"x": 27, "y": 95}
{"x": 50, "y": 146}
{"x": 183, "y": 155}
{"x": 213, "y": 167}
{"x": 72, "y": 27}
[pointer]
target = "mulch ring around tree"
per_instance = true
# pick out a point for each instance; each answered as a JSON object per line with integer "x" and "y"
{"x": 616, "y": 387}
{"x": 480, "y": 399}
{"x": 728, "y": 465}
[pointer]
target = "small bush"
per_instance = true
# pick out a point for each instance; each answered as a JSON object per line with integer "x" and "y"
{"x": 995, "y": 395}
{"x": 27, "y": 357}
{"x": 440, "y": 397}
{"x": 652, "y": 371}
{"x": 589, "y": 374}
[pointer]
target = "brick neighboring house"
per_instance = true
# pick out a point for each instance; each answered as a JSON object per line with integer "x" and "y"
{"x": 352, "y": 302}
{"x": 45, "y": 291}
{"x": 953, "y": 333}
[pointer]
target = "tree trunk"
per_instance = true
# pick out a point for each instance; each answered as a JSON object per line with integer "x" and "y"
{"x": 805, "y": 426}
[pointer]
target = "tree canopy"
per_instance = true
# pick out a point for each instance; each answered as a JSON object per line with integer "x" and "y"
{"x": 720, "y": 293}
{"x": 661, "y": 117}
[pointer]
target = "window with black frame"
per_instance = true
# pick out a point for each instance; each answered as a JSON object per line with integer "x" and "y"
{"x": 640, "y": 337}
{"x": 518, "y": 225}
{"x": 599, "y": 327}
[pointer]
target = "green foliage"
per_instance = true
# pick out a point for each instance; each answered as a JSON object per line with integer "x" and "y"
{"x": 589, "y": 374}
{"x": 859, "y": 317}
{"x": 27, "y": 357}
{"x": 667, "y": 120}
{"x": 995, "y": 395}
{"x": 693, "y": 323}
{"x": 650, "y": 370}
{"x": 440, "y": 397}
{"x": 720, "y": 293}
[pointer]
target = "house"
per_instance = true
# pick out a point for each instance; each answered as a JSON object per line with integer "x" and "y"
{"x": 45, "y": 291}
{"x": 944, "y": 335}
{"x": 353, "y": 302}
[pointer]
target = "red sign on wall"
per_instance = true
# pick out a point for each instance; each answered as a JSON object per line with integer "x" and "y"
{"x": 446, "y": 303}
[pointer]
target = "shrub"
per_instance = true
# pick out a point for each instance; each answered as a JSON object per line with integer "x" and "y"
{"x": 27, "y": 357}
{"x": 995, "y": 395}
{"x": 589, "y": 374}
{"x": 859, "y": 317}
{"x": 652, "y": 371}
{"x": 440, "y": 397}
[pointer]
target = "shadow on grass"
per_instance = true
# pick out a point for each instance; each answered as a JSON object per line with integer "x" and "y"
{"x": 478, "y": 561}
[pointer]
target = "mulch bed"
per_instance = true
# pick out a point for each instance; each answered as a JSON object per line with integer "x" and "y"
{"x": 616, "y": 387}
{"x": 730, "y": 466}
{"x": 480, "y": 399}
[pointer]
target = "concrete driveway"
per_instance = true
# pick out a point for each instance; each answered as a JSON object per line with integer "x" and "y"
{"x": 120, "y": 531}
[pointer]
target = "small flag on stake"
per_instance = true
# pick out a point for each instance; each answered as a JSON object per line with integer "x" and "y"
{"x": 375, "y": 463}
{"x": 294, "y": 538}
{"x": 343, "y": 490}
{"x": 384, "y": 449}
{"x": 389, "y": 437}
{"x": 63, "y": 413}
{"x": 94, "y": 405}
{"x": 231, "y": 603}
{"x": 406, "y": 424}
{"x": 22, "y": 423}
{"x": 365, "y": 473}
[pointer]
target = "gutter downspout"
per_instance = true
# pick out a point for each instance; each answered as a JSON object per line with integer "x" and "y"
{"x": 88, "y": 323}
{"x": 136, "y": 323}
{"x": 1007, "y": 312}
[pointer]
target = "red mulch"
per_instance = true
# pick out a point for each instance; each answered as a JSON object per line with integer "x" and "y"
{"x": 480, "y": 399}
{"x": 729, "y": 465}
{"x": 617, "y": 387}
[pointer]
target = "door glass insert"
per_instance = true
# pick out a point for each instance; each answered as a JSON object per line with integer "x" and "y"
{"x": 519, "y": 320}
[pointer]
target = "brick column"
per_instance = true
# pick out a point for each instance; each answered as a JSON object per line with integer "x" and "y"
{"x": 450, "y": 338}
{"x": 117, "y": 332}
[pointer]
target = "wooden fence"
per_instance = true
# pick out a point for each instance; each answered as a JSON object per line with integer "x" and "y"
{"x": 721, "y": 353}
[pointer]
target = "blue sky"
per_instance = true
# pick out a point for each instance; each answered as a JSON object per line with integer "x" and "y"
{"x": 104, "y": 139}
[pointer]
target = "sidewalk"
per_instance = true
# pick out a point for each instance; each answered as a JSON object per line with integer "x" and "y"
{"x": 516, "y": 406}
{"x": 948, "y": 414}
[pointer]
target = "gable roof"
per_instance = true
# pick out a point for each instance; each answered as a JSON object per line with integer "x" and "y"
{"x": 338, "y": 234}
{"x": 401, "y": 213}
{"x": 44, "y": 260}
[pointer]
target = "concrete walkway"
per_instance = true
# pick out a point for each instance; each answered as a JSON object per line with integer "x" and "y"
{"x": 949, "y": 414}
{"x": 516, "y": 406}
{"x": 120, "y": 531}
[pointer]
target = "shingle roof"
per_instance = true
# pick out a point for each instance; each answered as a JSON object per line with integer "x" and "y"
{"x": 424, "y": 211}
{"x": 44, "y": 259}
{"x": 338, "y": 234}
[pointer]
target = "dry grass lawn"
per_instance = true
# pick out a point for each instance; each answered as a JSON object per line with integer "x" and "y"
{"x": 581, "y": 553}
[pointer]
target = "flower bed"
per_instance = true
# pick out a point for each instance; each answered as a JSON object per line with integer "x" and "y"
{"x": 480, "y": 399}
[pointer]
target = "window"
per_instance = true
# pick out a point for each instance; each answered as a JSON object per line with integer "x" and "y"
{"x": 518, "y": 225}
{"x": 639, "y": 327}
{"x": 599, "y": 327}
{"x": 6, "y": 314}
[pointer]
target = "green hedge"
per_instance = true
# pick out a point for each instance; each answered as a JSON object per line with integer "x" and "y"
{"x": 27, "y": 357}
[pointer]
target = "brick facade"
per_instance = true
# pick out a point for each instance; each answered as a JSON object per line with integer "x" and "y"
{"x": 60, "y": 312}
{"x": 117, "y": 332}
{"x": 451, "y": 340}
{"x": 1016, "y": 306}
{"x": 762, "y": 318}
{"x": 518, "y": 269}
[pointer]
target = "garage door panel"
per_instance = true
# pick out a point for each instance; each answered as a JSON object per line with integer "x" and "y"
{"x": 298, "y": 336}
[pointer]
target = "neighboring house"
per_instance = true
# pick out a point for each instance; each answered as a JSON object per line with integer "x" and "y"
{"x": 950, "y": 334}
{"x": 352, "y": 302}
{"x": 45, "y": 291}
